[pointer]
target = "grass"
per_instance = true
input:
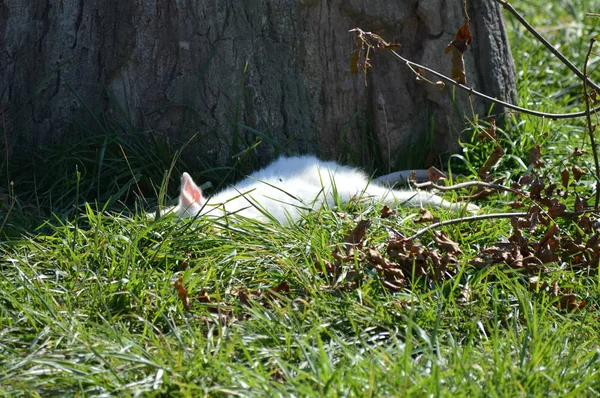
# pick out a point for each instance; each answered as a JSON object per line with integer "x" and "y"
{"x": 88, "y": 306}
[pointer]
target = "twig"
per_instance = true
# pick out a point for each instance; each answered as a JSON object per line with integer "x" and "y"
{"x": 469, "y": 184}
{"x": 476, "y": 93}
{"x": 566, "y": 214}
{"x": 547, "y": 44}
{"x": 466, "y": 219}
{"x": 368, "y": 36}
{"x": 589, "y": 120}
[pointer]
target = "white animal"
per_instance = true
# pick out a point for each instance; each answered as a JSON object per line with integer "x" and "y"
{"x": 292, "y": 185}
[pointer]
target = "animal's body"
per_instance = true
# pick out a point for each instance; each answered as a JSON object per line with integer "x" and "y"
{"x": 292, "y": 185}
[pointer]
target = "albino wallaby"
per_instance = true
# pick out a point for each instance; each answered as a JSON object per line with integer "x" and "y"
{"x": 291, "y": 185}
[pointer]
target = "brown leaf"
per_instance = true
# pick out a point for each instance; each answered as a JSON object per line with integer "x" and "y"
{"x": 580, "y": 204}
{"x": 536, "y": 188}
{"x": 283, "y": 287}
{"x": 578, "y": 152}
{"x": 556, "y": 208}
{"x": 585, "y": 223}
{"x": 494, "y": 158}
{"x": 578, "y": 172}
{"x": 426, "y": 216}
{"x": 464, "y": 33}
{"x": 387, "y": 213}
{"x": 571, "y": 247}
{"x": 479, "y": 262}
{"x": 435, "y": 174}
{"x": 444, "y": 243}
{"x": 549, "y": 191}
{"x": 489, "y": 133}
{"x": 564, "y": 178}
{"x": 535, "y": 157}
{"x": 535, "y": 285}
{"x": 358, "y": 233}
{"x": 525, "y": 180}
{"x": 458, "y": 64}
{"x": 458, "y": 47}
{"x": 203, "y": 297}
{"x": 517, "y": 204}
{"x": 182, "y": 293}
{"x": 570, "y": 303}
{"x": 244, "y": 298}
{"x": 546, "y": 254}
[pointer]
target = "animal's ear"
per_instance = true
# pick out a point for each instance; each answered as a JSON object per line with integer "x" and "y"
{"x": 190, "y": 193}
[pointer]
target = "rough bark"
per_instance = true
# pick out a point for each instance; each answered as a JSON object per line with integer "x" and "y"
{"x": 282, "y": 68}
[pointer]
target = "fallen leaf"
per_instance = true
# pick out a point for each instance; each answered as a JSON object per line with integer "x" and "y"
{"x": 570, "y": 303}
{"x": 445, "y": 244}
{"x": 387, "y": 213}
{"x": 426, "y": 216}
{"x": 358, "y": 233}
{"x": 182, "y": 293}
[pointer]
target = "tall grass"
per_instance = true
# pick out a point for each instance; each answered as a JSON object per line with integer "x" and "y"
{"x": 88, "y": 303}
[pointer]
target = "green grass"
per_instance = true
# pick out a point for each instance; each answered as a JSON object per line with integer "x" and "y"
{"x": 88, "y": 304}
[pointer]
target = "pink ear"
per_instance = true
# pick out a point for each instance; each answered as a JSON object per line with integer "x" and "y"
{"x": 190, "y": 193}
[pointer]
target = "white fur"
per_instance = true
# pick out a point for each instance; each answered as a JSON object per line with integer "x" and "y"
{"x": 291, "y": 185}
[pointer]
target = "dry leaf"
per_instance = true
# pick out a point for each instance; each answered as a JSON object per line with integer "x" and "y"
{"x": 435, "y": 174}
{"x": 182, "y": 293}
{"x": 458, "y": 47}
{"x": 494, "y": 158}
{"x": 535, "y": 157}
{"x": 580, "y": 204}
{"x": 426, "y": 216}
{"x": 387, "y": 213}
{"x": 489, "y": 133}
{"x": 358, "y": 233}
{"x": 570, "y": 303}
{"x": 445, "y": 244}
{"x": 564, "y": 178}
{"x": 536, "y": 188}
{"x": 578, "y": 172}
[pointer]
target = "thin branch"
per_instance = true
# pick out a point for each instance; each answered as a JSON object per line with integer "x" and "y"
{"x": 469, "y": 184}
{"x": 466, "y": 219}
{"x": 476, "y": 93}
{"x": 566, "y": 214}
{"x": 589, "y": 121}
{"x": 368, "y": 38}
{"x": 547, "y": 44}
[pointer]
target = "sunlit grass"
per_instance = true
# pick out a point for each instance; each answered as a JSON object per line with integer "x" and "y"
{"x": 88, "y": 306}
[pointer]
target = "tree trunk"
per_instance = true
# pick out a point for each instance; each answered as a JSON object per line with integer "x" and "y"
{"x": 237, "y": 71}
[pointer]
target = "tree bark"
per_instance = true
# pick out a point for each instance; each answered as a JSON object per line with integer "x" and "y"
{"x": 217, "y": 67}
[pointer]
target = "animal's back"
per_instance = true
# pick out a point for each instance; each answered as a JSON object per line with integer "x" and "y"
{"x": 291, "y": 185}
